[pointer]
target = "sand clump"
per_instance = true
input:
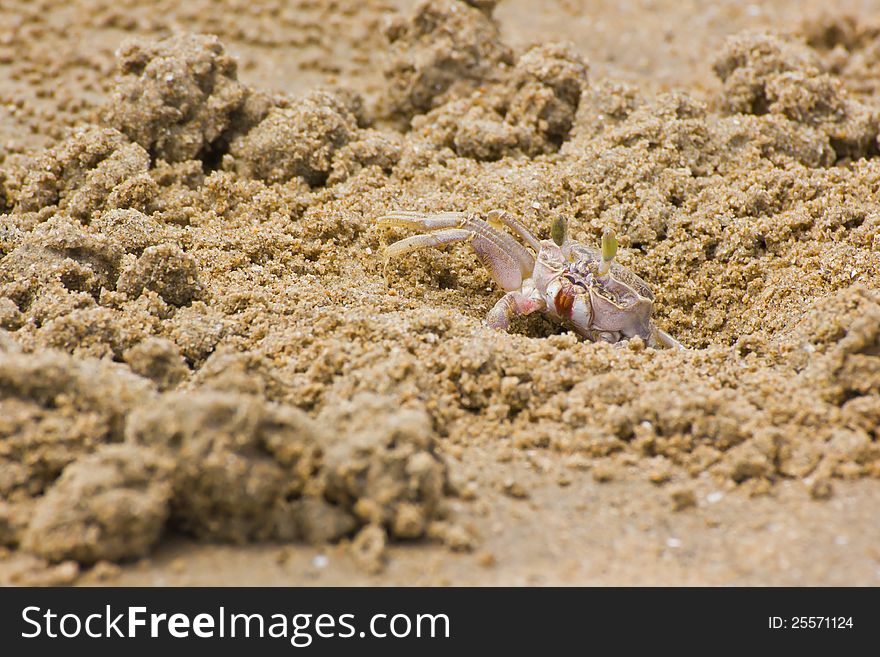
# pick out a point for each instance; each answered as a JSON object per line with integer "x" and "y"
{"x": 166, "y": 270}
{"x": 247, "y": 470}
{"x": 450, "y": 72}
{"x": 296, "y": 141}
{"x": 57, "y": 409}
{"x": 159, "y": 360}
{"x": 530, "y": 109}
{"x": 445, "y": 48}
{"x": 216, "y": 465}
{"x": 177, "y": 98}
{"x": 763, "y": 74}
{"x": 91, "y": 169}
{"x": 229, "y": 485}
{"x": 198, "y": 332}
{"x": 387, "y": 474}
{"x": 110, "y": 505}
{"x": 61, "y": 254}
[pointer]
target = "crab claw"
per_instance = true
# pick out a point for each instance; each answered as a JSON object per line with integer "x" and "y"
{"x": 508, "y": 261}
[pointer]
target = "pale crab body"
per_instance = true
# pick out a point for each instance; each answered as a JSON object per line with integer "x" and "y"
{"x": 573, "y": 284}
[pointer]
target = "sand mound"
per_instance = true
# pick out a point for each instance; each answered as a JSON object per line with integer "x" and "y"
{"x": 220, "y": 466}
{"x": 177, "y": 98}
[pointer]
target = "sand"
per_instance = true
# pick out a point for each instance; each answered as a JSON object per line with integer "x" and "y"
{"x": 209, "y": 373}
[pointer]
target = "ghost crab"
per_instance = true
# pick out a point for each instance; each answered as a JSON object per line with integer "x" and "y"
{"x": 573, "y": 284}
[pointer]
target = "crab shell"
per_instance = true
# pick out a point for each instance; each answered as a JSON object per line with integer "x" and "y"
{"x": 611, "y": 307}
{"x": 569, "y": 282}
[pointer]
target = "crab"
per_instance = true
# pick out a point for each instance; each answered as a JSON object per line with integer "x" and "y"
{"x": 575, "y": 285}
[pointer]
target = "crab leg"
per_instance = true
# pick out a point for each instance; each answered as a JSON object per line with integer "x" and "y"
{"x": 423, "y": 220}
{"x": 417, "y": 242}
{"x": 508, "y": 261}
{"x": 667, "y": 340}
{"x": 512, "y": 304}
{"x": 500, "y": 216}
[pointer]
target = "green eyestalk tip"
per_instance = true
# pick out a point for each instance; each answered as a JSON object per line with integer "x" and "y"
{"x": 559, "y": 230}
{"x": 493, "y": 217}
{"x": 609, "y": 250}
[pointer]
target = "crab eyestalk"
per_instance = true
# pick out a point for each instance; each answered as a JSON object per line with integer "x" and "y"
{"x": 559, "y": 230}
{"x": 609, "y": 251}
{"x": 494, "y": 218}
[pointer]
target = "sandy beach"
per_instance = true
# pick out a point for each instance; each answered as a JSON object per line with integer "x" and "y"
{"x": 211, "y": 373}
